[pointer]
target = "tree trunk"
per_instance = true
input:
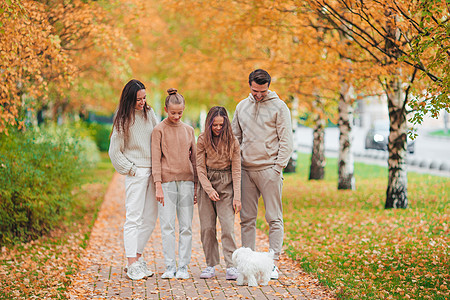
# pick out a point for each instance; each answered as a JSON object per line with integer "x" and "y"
{"x": 397, "y": 190}
{"x": 346, "y": 179}
{"x": 40, "y": 116}
{"x": 317, "y": 168}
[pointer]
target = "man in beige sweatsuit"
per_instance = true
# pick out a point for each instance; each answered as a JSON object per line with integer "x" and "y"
{"x": 262, "y": 125}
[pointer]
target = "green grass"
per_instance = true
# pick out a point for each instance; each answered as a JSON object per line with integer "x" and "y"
{"x": 42, "y": 268}
{"x": 440, "y": 133}
{"x": 359, "y": 249}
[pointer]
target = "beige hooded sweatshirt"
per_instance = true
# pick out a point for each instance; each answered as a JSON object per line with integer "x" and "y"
{"x": 264, "y": 130}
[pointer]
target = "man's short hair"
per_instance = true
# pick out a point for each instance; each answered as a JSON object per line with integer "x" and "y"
{"x": 259, "y": 76}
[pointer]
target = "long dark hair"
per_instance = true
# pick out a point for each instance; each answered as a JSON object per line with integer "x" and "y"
{"x": 226, "y": 136}
{"x": 125, "y": 114}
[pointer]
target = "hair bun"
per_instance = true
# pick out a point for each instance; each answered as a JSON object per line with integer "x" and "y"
{"x": 172, "y": 91}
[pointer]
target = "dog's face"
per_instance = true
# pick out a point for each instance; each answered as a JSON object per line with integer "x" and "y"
{"x": 240, "y": 254}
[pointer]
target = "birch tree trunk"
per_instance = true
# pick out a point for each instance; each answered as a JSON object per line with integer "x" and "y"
{"x": 397, "y": 190}
{"x": 346, "y": 180}
{"x": 317, "y": 168}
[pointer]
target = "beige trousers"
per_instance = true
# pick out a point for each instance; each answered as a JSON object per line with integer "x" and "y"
{"x": 209, "y": 211}
{"x": 268, "y": 184}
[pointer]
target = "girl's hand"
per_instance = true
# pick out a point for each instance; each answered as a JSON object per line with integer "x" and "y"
{"x": 159, "y": 193}
{"x": 195, "y": 193}
{"x": 237, "y": 206}
{"x": 214, "y": 196}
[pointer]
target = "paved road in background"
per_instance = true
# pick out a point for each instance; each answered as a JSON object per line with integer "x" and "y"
{"x": 427, "y": 148}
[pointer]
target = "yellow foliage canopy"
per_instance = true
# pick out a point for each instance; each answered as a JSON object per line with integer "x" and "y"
{"x": 49, "y": 48}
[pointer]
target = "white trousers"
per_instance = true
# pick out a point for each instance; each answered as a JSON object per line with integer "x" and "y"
{"x": 178, "y": 202}
{"x": 141, "y": 211}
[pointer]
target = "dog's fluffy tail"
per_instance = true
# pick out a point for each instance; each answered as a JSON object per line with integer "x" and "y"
{"x": 271, "y": 253}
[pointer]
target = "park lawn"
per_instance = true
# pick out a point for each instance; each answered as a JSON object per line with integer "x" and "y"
{"x": 441, "y": 133}
{"x": 42, "y": 268}
{"x": 359, "y": 249}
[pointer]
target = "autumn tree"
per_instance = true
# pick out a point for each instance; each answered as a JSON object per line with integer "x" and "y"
{"x": 243, "y": 35}
{"x": 31, "y": 58}
{"x": 350, "y": 73}
{"x": 56, "y": 53}
{"x": 93, "y": 34}
{"x": 386, "y": 32}
{"x": 429, "y": 51}
{"x": 329, "y": 46}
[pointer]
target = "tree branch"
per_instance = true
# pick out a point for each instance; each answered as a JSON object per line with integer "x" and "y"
{"x": 408, "y": 88}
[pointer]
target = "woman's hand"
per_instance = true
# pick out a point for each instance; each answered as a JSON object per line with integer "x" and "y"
{"x": 159, "y": 193}
{"x": 214, "y": 196}
{"x": 237, "y": 206}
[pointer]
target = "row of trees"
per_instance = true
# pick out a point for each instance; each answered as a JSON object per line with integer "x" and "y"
{"x": 61, "y": 56}
{"x": 69, "y": 56}
{"x": 328, "y": 53}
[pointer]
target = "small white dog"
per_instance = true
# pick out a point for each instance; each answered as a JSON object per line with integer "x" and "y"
{"x": 253, "y": 266}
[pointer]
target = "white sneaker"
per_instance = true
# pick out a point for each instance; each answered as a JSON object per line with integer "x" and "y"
{"x": 274, "y": 274}
{"x": 182, "y": 273}
{"x": 232, "y": 274}
{"x": 169, "y": 273}
{"x": 144, "y": 267}
{"x": 134, "y": 272}
{"x": 207, "y": 273}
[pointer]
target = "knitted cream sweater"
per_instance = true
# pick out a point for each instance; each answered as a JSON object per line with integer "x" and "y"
{"x": 136, "y": 153}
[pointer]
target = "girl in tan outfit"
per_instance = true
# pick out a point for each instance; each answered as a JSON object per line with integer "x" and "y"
{"x": 219, "y": 172}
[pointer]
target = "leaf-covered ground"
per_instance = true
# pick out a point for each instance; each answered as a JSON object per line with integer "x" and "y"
{"x": 41, "y": 269}
{"x": 55, "y": 267}
{"x": 360, "y": 249}
{"x": 346, "y": 238}
{"x": 101, "y": 273}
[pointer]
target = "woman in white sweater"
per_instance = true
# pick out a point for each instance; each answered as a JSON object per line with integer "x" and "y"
{"x": 130, "y": 154}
